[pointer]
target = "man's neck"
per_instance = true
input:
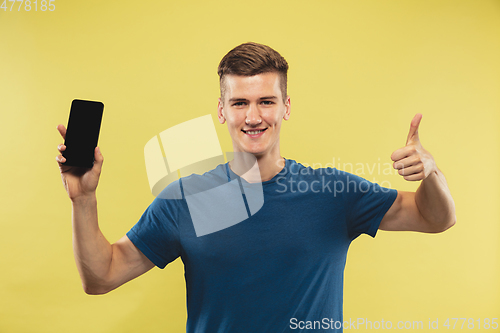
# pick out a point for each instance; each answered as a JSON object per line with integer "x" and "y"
{"x": 268, "y": 166}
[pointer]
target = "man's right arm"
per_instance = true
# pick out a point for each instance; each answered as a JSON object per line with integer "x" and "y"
{"x": 102, "y": 266}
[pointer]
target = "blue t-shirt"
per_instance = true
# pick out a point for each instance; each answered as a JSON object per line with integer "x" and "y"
{"x": 282, "y": 265}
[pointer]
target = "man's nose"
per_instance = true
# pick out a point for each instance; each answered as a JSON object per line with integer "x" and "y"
{"x": 253, "y": 115}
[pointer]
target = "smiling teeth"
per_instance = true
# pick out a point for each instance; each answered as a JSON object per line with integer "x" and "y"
{"x": 254, "y": 132}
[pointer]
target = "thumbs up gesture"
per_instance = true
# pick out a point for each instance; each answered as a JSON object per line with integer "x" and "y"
{"x": 412, "y": 161}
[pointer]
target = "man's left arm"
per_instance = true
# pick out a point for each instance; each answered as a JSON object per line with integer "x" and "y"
{"x": 431, "y": 208}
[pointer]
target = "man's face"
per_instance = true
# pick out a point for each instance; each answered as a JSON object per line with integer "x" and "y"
{"x": 253, "y": 109}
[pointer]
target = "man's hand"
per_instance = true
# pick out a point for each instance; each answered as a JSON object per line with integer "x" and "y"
{"x": 429, "y": 209}
{"x": 78, "y": 181}
{"x": 413, "y": 162}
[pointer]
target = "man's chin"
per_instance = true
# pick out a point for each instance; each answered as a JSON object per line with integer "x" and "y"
{"x": 255, "y": 152}
{"x": 258, "y": 150}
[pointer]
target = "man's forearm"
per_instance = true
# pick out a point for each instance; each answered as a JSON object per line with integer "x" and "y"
{"x": 435, "y": 203}
{"x": 92, "y": 251}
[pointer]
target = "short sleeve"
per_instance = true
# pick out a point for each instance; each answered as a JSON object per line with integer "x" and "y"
{"x": 366, "y": 204}
{"x": 156, "y": 234}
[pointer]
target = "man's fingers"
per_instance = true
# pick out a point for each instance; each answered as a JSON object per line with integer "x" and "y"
{"x": 60, "y": 159}
{"x": 403, "y": 152}
{"x": 415, "y": 177}
{"x": 62, "y": 131}
{"x": 406, "y": 162}
{"x": 413, "y": 134}
{"x": 412, "y": 170}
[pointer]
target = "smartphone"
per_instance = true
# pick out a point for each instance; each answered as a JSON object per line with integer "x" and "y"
{"x": 82, "y": 133}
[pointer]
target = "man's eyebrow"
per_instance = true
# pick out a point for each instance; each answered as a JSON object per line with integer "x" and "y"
{"x": 269, "y": 97}
{"x": 237, "y": 99}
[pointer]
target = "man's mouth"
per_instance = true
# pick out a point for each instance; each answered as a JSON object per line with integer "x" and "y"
{"x": 254, "y": 132}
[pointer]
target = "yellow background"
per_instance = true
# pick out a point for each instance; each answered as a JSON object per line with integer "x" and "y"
{"x": 359, "y": 71}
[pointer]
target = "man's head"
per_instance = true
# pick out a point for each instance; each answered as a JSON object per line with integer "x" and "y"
{"x": 253, "y": 99}
{"x": 250, "y": 59}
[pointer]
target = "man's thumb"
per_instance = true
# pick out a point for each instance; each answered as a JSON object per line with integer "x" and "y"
{"x": 413, "y": 134}
{"x": 99, "y": 159}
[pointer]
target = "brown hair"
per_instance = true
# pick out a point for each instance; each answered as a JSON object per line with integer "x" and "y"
{"x": 250, "y": 59}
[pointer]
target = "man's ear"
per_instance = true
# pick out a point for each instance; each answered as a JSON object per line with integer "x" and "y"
{"x": 286, "y": 116}
{"x": 220, "y": 112}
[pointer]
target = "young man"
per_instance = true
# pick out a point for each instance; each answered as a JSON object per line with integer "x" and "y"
{"x": 283, "y": 265}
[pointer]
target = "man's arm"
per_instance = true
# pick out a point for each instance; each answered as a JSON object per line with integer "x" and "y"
{"x": 102, "y": 266}
{"x": 431, "y": 208}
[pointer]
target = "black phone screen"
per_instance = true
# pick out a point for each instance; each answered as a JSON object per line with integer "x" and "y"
{"x": 82, "y": 133}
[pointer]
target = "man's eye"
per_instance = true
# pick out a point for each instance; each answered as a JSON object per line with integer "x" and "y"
{"x": 267, "y": 102}
{"x": 239, "y": 104}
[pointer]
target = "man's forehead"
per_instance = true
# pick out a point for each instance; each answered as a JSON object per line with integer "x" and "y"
{"x": 260, "y": 85}
{"x": 267, "y": 76}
